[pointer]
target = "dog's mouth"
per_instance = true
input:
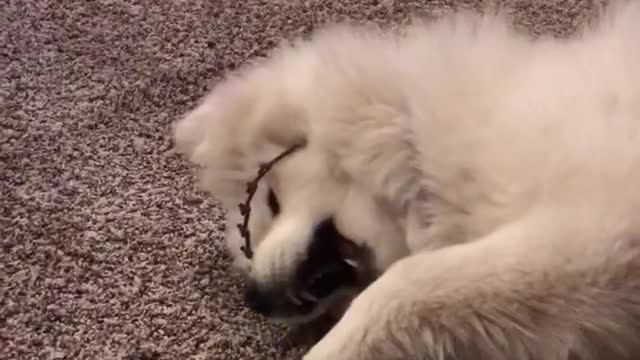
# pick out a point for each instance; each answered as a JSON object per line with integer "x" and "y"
{"x": 324, "y": 290}
{"x": 323, "y": 284}
{"x": 334, "y": 270}
{"x": 335, "y": 266}
{"x": 333, "y": 262}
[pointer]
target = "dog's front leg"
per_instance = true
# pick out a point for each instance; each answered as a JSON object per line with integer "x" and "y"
{"x": 535, "y": 289}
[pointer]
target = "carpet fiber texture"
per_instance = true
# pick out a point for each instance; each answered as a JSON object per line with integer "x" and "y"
{"x": 107, "y": 249}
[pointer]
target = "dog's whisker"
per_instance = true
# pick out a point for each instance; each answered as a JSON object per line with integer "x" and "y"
{"x": 352, "y": 262}
{"x": 294, "y": 298}
{"x": 309, "y": 297}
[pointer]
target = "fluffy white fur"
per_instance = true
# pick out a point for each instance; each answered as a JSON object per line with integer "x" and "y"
{"x": 518, "y": 159}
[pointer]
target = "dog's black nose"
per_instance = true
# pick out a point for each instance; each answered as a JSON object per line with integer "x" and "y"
{"x": 257, "y": 300}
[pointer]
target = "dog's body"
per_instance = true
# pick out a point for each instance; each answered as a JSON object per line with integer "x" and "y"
{"x": 495, "y": 178}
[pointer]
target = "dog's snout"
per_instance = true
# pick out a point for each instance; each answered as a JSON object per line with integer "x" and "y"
{"x": 257, "y": 300}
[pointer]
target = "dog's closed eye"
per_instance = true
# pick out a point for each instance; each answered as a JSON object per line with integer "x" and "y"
{"x": 274, "y": 204}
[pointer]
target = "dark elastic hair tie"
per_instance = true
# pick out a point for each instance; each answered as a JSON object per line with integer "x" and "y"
{"x": 252, "y": 187}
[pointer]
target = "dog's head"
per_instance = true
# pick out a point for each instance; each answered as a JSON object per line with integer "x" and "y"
{"x": 318, "y": 237}
{"x": 328, "y": 238}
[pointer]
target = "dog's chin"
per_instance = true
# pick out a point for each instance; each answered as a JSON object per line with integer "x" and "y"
{"x": 333, "y": 306}
{"x": 299, "y": 319}
{"x": 306, "y": 330}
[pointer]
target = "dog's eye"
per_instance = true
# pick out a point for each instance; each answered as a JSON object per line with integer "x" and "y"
{"x": 272, "y": 200}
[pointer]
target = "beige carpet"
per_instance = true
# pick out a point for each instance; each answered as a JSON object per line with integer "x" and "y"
{"x": 107, "y": 252}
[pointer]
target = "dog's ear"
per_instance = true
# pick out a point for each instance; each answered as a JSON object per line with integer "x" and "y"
{"x": 239, "y": 124}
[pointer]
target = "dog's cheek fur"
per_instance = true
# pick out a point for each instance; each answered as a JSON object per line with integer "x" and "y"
{"x": 372, "y": 225}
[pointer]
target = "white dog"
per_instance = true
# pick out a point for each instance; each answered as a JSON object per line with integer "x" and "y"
{"x": 485, "y": 184}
